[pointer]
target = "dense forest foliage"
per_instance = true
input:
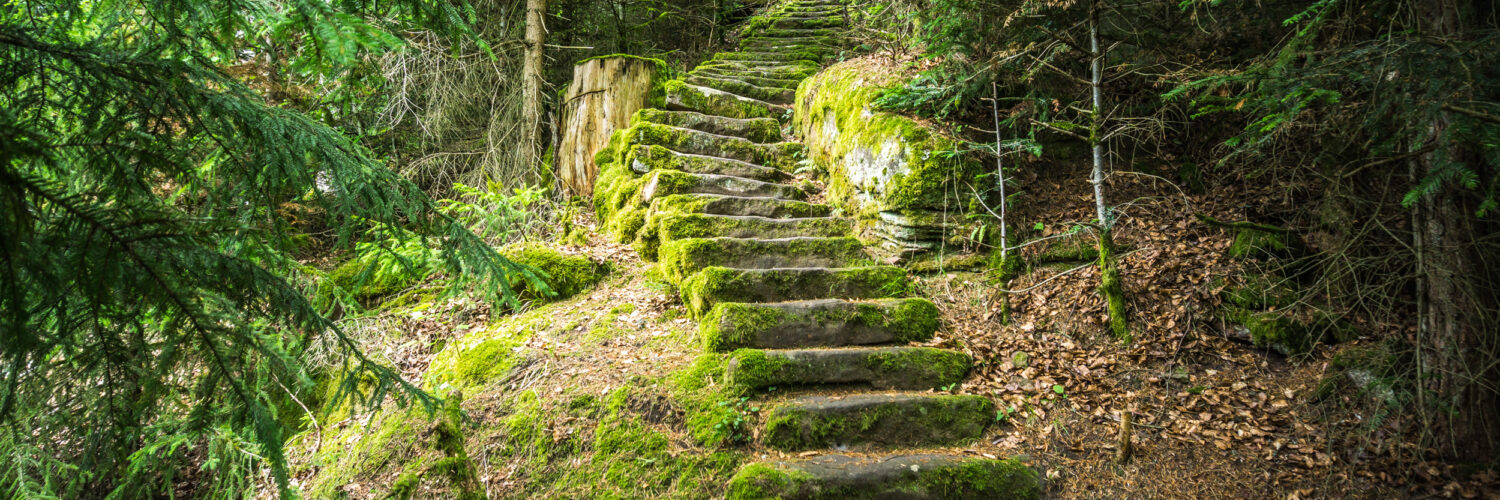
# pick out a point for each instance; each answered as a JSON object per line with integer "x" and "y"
{"x": 201, "y": 200}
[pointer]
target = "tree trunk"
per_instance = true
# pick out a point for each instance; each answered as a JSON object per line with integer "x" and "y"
{"x": 1109, "y": 269}
{"x": 1455, "y": 349}
{"x": 531, "y": 86}
{"x": 604, "y": 94}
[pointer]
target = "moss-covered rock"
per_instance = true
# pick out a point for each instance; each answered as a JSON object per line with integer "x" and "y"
{"x": 877, "y": 420}
{"x": 874, "y": 157}
{"x": 818, "y": 323}
{"x": 565, "y": 275}
{"x": 1261, "y": 291}
{"x": 646, "y": 159}
{"x": 774, "y": 95}
{"x": 1255, "y": 243}
{"x": 714, "y": 285}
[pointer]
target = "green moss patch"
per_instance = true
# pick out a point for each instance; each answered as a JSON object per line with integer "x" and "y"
{"x": 565, "y": 275}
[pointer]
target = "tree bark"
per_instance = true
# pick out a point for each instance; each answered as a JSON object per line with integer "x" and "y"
{"x": 531, "y": 86}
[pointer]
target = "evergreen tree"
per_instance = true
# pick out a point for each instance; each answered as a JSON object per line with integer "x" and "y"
{"x": 150, "y": 314}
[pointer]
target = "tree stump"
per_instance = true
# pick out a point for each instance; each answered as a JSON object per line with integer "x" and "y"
{"x": 604, "y": 94}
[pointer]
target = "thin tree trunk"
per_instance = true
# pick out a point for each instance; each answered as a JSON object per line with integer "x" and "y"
{"x": 531, "y": 86}
{"x": 1109, "y": 270}
{"x": 1096, "y": 65}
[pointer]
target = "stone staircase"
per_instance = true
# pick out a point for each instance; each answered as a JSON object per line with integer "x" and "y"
{"x": 790, "y": 295}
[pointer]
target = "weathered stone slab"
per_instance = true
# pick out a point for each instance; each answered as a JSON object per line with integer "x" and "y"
{"x": 914, "y": 477}
{"x": 864, "y": 421}
{"x": 893, "y": 368}
{"x": 685, "y": 257}
{"x": 714, "y": 285}
{"x": 818, "y": 323}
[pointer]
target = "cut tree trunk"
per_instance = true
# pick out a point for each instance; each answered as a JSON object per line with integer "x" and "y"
{"x": 604, "y": 94}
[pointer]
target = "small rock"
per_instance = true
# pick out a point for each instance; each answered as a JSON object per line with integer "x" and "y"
{"x": 1020, "y": 359}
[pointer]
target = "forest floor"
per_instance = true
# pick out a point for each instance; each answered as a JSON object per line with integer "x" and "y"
{"x": 590, "y": 404}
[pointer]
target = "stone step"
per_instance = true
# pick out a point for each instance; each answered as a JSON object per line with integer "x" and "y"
{"x": 818, "y": 323}
{"x": 662, "y": 228}
{"x": 908, "y": 476}
{"x": 644, "y": 159}
{"x": 815, "y": 43}
{"x": 714, "y": 285}
{"x": 807, "y": 20}
{"x": 771, "y": 56}
{"x": 717, "y": 204}
{"x": 682, "y": 96}
{"x": 780, "y": 155}
{"x": 670, "y": 182}
{"x": 874, "y": 421}
{"x": 682, "y": 258}
{"x": 794, "y": 71}
{"x": 799, "y": 32}
{"x": 886, "y": 368}
{"x": 747, "y": 89}
{"x": 752, "y": 129}
{"x": 747, "y": 77}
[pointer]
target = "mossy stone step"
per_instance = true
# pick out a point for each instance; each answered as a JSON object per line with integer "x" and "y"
{"x": 684, "y": 96}
{"x": 890, "y": 368}
{"x": 685, "y": 257}
{"x": 818, "y": 323}
{"x": 747, "y": 89}
{"x": 686, "y": 140}
{"x": 645, "y": 159}
{"x": 747, "y": 77}
{"x": 717, "y": 204}
{"x": 798, "y": 32}
{"x": 772, "y": 56}
{"x": 915, "y": 476}
{"x": 794, "y": 71}
{"x": 826, "y": 44}
{"x": 802, "y": 20}
{"x": 714, "y": 285}
{"x": 670, "y": 182}
{"x": 677, "y": 226}
{"x": 759, "y": 130}
{"x": 868, "y": 421}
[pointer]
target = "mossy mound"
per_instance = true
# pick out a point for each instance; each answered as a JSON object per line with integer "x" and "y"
{"x": 1261, "y": 291}
{"x": 565, "y": 275}
{"x": 877, "y": 161}
{"x": 1261, "y": 244}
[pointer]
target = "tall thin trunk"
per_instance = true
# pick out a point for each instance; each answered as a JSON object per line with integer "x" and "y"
{"x": 531, "y": 86}
{"x": 1109, "y": 270}
{"x": 1096, "y": 65}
